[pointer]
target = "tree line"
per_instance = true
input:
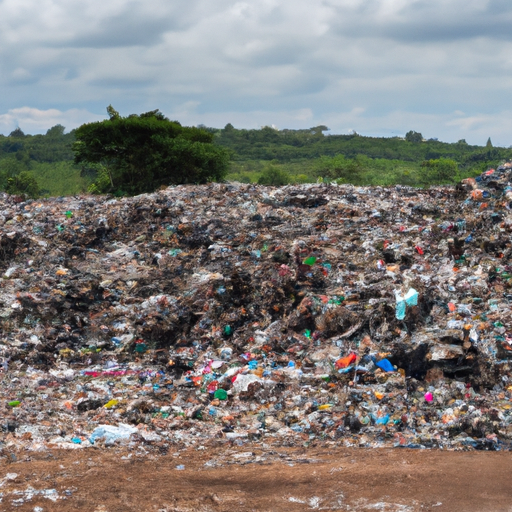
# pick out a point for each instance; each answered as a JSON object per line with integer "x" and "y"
{"x": 142, "y": 152}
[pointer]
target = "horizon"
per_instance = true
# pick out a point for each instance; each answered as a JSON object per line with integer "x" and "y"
{"x": 326, "y": 133}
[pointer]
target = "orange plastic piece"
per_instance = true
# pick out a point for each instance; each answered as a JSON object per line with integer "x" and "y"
{"x": 345, "y": 361}
{"x": 196, "y": 380}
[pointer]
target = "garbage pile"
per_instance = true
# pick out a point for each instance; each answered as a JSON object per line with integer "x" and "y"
{"x": 235, "y": 313}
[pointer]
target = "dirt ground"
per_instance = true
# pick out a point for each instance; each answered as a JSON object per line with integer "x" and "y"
{"x": 246, "y": 479}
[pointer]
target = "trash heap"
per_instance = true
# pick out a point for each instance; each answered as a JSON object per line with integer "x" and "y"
{"x": 235, "y": 313}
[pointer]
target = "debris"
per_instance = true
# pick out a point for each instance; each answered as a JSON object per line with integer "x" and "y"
{"x": 232, "y": 312}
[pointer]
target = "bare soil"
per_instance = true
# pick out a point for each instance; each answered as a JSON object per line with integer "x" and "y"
{"x": 250, "y": 478}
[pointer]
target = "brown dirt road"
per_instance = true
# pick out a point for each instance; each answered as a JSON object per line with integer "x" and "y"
{"x": 253, "y": 479}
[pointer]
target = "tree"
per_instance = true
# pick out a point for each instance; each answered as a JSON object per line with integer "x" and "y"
{"x": 345, "y": 170}
{"x": 274, "y": 176}
{"x": 112, "y": 113}
{"x": 141, "y": 153}
{"x": 489, "y": 143}
{"x": 55, "y": 131}
{"x": 17, "y": 133}
{"x": 412, "y": 136}
{"x": 24, "y": 184}
{"x": 439, "y": 171}
{"x": 318, "y": 130}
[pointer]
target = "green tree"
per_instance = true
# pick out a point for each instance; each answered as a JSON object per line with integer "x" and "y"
{"x": 24, "y": 184}
{"x": 412, "y": 136}
{"x": 55, "y": 132}
{"x": 17, "y": 133}
{"x": 439, "y": 171}
{"x": 346, "y": 170}
{"x": 274, "y": 176}
{"x": 141, "y": 153}
{"x": 10, "y": 167}
{"x": 489, "y": 143}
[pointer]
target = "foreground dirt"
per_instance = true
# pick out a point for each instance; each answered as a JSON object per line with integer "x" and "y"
{"x": 244, "y": 479}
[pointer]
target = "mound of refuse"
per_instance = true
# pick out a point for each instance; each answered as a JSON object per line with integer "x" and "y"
{"x": 233, "y": 313}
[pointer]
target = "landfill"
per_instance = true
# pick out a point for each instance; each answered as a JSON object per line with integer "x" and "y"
{"x": 237, "y": 313}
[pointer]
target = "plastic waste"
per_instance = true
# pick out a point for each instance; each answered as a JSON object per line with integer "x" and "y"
{"x": 112, "y": 433}
{"x": 411, "y": 297}
{"x": 241, "y": 383}
{"x": 345, "y": 361}
{"x": 381, "y": 420}
{"x": 400, "y": 307}
{"x": 385, "y": 365}
{"x": 221, "y": 394}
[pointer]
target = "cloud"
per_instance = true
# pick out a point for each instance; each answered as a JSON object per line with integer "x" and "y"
{"x": 33, "y": 120}
{"x": 419, "y": 21}
{"x": 261, "y": 63}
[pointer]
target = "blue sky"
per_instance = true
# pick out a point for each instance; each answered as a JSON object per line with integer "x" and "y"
{"x": 379, "y": 67}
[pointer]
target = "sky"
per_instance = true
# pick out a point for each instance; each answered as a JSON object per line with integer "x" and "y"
{"x": 377, "y": 67}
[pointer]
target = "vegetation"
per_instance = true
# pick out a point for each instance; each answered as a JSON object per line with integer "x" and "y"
{"x": 274, "y": 176}
{"x": 34, "y": 165}
{"x": 352, "y": 158}
{"x": 143, "y": 152}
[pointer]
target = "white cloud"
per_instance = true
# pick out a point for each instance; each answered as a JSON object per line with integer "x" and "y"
{"x": 33, "y": 120}
{"x": 405, "y": 64}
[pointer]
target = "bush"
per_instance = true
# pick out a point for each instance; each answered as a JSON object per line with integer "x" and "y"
{"x": 23, "y": 184}
{"x": 274, "y": 176}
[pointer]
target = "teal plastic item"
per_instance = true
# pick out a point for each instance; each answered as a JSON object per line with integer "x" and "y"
{"x": 400, "y": 308}
{"x": 382, "y": 420}
{"x": 411, "y": 297}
